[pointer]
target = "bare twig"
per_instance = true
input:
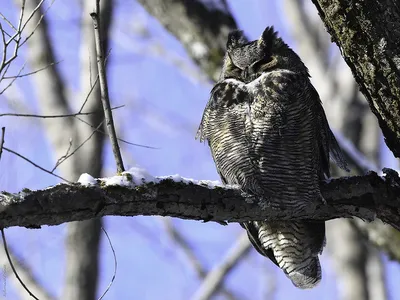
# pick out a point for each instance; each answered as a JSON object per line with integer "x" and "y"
{"x": 34, "y": 164}
{"x": 119, "y": 139}
{"x": 3, "y": 131}
{"x": 25, "y": 273}
{"x": 31, "y": 73}
{"x": 80, "y": 113}
{"x": 115, "y": 264}
{"x": 12, "y": 265}
{"x": 13, "y": 80}
{"x": 92, "y": 85}
{"x": 104, "y": 89}
{"x": 65, "y": 157}
{"x": 215, "y": 278}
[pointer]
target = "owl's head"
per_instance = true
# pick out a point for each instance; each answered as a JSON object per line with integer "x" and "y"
{"x": 246, "y": 60}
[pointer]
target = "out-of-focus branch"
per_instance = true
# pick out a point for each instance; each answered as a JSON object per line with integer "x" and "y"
{"x": 83, "y": 238}
{"x": 26, "y": 275}
{"x": 215, "y": 278}
{"x": 189, "y": 252}
{"x": 382, "y": 236}
{"x": 201, "y": 26}
{"x": 367, "y": 197}
{"x": 51, "y": 95}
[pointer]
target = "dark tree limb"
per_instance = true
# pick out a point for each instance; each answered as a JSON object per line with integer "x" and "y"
{"x": 368, "y": 35}
{"x": 367, "y": 197}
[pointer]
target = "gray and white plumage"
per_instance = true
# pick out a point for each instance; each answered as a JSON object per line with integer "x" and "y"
{"x": 268, "y": 134}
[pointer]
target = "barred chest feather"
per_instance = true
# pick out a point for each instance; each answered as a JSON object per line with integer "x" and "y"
{"x": 264, "y": 138}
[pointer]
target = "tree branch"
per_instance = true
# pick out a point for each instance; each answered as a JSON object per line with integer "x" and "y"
{"x": 216, "y": 277}
{"x": 104, "y": 88}
{"x": 370, "y": 44}
{"x": 367, "y": 197}
{"x": 202, "y": 27}
{"x": 201, "y": 272}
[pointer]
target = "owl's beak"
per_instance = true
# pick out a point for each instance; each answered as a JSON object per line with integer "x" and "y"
{"x": 246, "y": 72}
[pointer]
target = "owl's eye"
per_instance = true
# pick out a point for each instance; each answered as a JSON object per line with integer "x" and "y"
{"x": 231, "y": 69}
{"x": 263, "y": 64}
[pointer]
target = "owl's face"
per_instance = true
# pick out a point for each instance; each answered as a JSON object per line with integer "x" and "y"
{"x": 246, "y": 61}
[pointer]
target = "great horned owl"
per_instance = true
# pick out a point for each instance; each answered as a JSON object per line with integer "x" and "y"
{"x": 268, "y": 133}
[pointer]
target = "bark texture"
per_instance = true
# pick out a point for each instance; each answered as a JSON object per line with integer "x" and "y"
{"x": 368, "y": 35}
{"x": 367, "y": 197}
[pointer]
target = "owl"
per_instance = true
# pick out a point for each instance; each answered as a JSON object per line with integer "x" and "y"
{"x": 268, "y": 134}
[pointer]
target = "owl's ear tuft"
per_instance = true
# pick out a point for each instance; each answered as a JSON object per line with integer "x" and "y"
{"x": 236, "y": 38}
{"x": 268, "y": 37}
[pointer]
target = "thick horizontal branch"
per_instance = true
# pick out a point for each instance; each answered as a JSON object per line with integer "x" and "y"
{"x": 367, "y": 197}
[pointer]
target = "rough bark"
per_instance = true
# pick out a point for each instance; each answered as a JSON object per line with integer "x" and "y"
{"x": 346, "y": 109}
{"x": 368, "y": 35}
{"x": 367, "y": 197}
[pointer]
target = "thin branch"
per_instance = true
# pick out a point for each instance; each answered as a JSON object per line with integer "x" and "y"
{"x": 13, "y": 80}
{"x": 354, "y": 156}
{"x": 115, "y": 264}
{"x": 54, "y": 116}
{"x": 366, "y": 197}
{"x": 3, "y": 131}
{"x": 65, "y": 157}
{"x": 216, "y": 277}
{"x": 12, "y": 265}
{"x": 119, "y": 139}
{"x": 34, "y": 164}
{"x": 92, "y": 85}
{"x": 30, "y": 279}
{"x": 33, "y": 72}
{"x": 104, "y": 89}
{"x": 39, "y": 21}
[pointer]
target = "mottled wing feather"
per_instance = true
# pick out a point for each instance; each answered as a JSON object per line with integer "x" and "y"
{"x": 329, "y": 147}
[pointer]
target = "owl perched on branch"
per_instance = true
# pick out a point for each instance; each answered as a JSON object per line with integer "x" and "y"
{"x": 268, "y": 133}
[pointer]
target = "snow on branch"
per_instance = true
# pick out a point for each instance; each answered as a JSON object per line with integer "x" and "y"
{"x": 137, "y": 193}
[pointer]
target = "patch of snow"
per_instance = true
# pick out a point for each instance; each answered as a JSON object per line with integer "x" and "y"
{"x": 211, "y": 184}
{"x": 140, "y": 175}
{"x": 119, "y": 180}
{"x": 86, "y": 179}
{"x": 137, "y": 176}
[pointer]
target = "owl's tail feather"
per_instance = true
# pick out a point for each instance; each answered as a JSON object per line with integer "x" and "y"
{"x": 292, "y": 246}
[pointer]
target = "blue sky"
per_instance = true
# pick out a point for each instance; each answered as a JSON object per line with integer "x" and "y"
{"x": 163, "y": 108}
